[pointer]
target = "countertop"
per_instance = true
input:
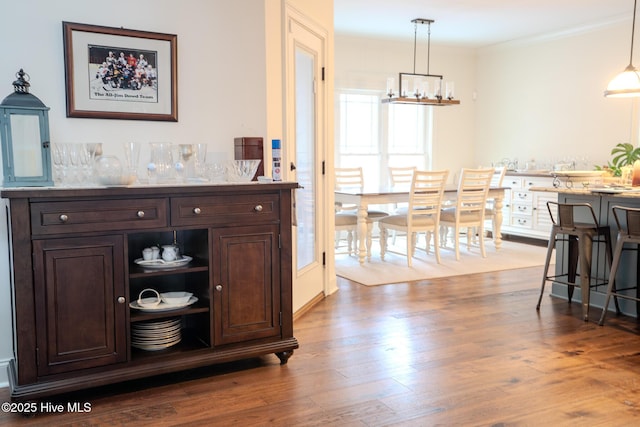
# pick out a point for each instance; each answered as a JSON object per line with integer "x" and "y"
{"x": 627, "y": 192}
{"x": 144, "y": 189}
{"x": 543, "y": 173}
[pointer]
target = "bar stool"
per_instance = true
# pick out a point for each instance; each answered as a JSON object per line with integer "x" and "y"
{"x": 580, "y": 237}
{"x": 629, "y": 235}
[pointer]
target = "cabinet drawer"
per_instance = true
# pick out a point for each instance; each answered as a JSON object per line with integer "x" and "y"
{"x": 522, "y": 222}
{"x": 215, "y": 210}
{"x": 538, "y": 182}
{"x": 521, "y": 209}
{"x": 102, "y": 215}
{"x": 514, "y": 183}
{"x": 521, "y": 196}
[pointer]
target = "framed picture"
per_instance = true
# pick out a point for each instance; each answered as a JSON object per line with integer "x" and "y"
{"x": 115, "y": 73}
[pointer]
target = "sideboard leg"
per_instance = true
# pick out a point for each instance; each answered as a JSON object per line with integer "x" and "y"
{"x": 284, "y": 356}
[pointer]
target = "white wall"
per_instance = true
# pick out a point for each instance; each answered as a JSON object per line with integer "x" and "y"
{"x": 543, "y": 98}
{"x": 221, "y": 81}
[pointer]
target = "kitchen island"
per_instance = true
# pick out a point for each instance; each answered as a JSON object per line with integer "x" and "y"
{"x": 602, "y": 199}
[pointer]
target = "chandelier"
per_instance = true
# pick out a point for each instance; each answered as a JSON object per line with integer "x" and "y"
{"x": 421, "y": 89}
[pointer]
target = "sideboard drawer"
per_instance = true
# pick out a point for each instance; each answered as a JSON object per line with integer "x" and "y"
{"x": 214, "y": 210}
{"x": 98, "y": 215}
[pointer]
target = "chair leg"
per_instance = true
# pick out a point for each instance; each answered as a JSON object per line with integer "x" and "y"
{"x": 545, "y": 272}
{"x": 368, "y": 239}
{"x": 444, "y": 231}
{"x": 436, "y": 244}
{"x": 456, "y": 241}
{"x": 586, "y": 244}
{"x": 411, "y": 238}
{"x": 612, "y": 277}
{"x": 383, "y": 241}
{"x": 608, "y": 246}
{"x": 481, "y": 239}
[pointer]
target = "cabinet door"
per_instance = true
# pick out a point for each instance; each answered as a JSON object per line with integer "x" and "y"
{"x": 246, "y": 273}
{"x": 79, "y": 316}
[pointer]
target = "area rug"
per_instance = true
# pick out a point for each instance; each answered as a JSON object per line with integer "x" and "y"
{"x": 394, "y": 268}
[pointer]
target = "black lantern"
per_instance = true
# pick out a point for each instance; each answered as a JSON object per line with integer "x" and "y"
{"x": 24, "y": 134}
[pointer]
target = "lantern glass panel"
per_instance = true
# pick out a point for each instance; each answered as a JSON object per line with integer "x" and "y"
{"x": 26, "y": 145}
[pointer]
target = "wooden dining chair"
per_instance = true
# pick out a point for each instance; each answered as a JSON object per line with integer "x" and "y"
{"x": 346, "y": 215}
{"x": 400, "y": 178}
{"x": 470, "y": 206}
{"x": 423, "y": 212}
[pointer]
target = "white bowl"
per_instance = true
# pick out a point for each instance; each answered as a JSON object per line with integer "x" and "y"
{"x": 175, "y": 298}
{"x": 241, "y": 170}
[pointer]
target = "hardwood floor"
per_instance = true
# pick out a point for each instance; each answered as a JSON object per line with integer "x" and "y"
{"x": 469, "y": 350}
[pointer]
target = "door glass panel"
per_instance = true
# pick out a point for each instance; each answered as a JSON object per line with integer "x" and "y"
{"x": 305, "y": 159}
{"x": 25, "y": 143}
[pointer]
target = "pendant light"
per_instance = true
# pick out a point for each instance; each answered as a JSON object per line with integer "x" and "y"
{"x": 627, "y": 83}
{"x": 421, "y": 89}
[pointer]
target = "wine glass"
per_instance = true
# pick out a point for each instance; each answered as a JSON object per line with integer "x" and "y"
{"x": 186, "y": 152}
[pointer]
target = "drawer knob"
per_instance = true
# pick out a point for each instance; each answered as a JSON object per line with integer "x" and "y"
{"x": 121, "y": 300}
{"x": 64, "y": 218}
{"x": 197, "y": 211}
{"x": 219, "y": 288}
{"x": 140, "y": 214}
{"x": 258, "y": 208}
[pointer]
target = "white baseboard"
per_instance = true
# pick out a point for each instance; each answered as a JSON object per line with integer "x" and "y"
{"x": 4, "y": 376}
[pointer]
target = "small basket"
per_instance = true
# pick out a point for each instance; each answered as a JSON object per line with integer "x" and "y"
{"x": 149, "y": 302}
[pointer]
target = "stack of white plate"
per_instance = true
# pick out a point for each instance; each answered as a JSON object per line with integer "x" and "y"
{"x": 156, "y": 335}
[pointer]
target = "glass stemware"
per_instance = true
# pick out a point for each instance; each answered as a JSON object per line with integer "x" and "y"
{"x": 58, "y": 163}
{"x": 131, "y": 157}
{"x": 200, "y": 158}
{"x": 160, "y": 163}
{"x": 186, "y": 152}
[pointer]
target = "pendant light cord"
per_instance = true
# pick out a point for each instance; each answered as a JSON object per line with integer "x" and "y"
{"x": 633, "y": 30}
{"x": 415, "y": 41}
{"x": 429, "y": 46}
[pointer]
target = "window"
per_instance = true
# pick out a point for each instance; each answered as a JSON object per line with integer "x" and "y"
{"x": 375, "y": 135}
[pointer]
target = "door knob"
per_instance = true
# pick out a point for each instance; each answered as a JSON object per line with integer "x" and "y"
{"x": 292, "y": 166}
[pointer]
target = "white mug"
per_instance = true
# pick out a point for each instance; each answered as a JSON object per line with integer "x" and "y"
{"x": 147, "y": 254}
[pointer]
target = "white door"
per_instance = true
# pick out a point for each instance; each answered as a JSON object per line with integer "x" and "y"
{"x": 305, "y": 148}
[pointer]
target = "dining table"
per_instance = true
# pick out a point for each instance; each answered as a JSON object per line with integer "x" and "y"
{"x": 362, "y": 198}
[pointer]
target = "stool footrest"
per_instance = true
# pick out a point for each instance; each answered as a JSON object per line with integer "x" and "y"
{"x": 593, "y": 283}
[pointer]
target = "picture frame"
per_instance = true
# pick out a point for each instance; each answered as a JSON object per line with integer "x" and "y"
{"x": 118, "y": 73}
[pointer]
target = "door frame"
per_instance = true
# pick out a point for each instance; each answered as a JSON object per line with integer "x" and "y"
{"x": 323, "y": 132}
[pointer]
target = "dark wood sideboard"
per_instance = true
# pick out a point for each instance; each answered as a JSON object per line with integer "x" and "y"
{"x": 74, "y": 275}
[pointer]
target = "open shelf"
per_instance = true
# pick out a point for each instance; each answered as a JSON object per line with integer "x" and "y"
{"x": 137, "y": 271}
{"x": 140, "y": 316}
{"x": 189, "y": 342}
